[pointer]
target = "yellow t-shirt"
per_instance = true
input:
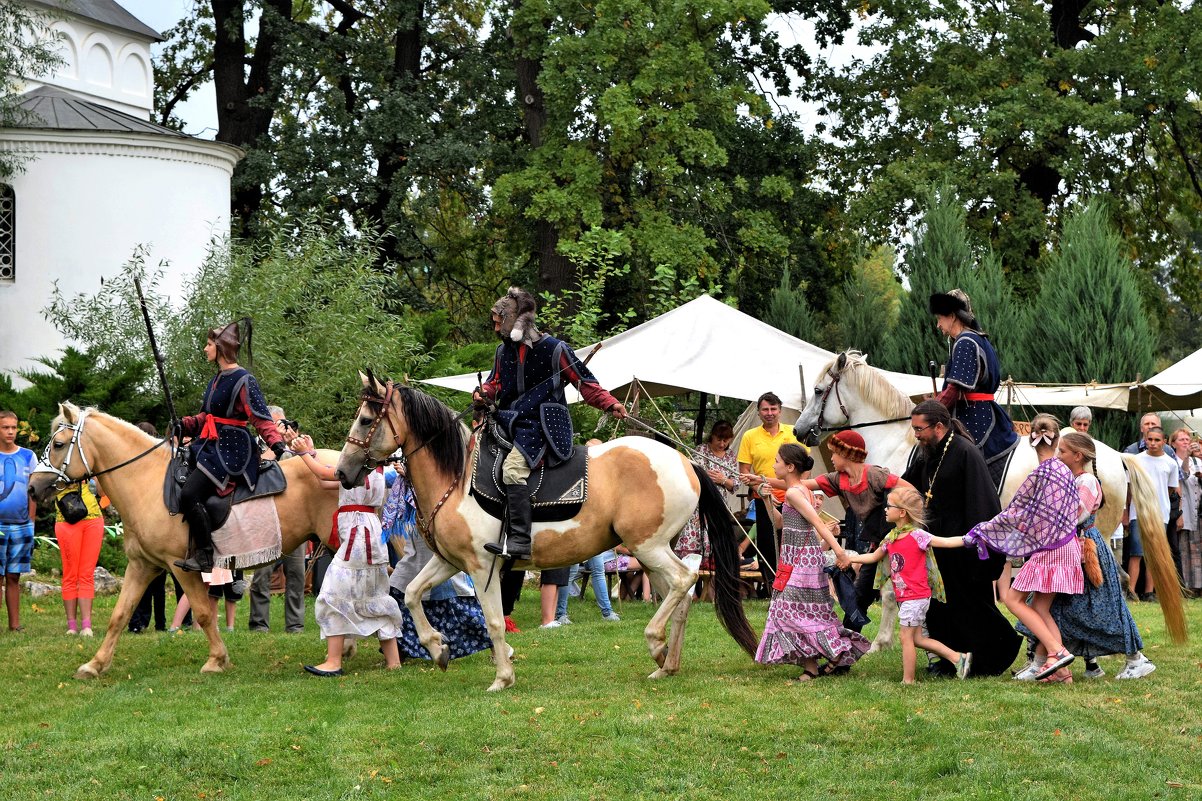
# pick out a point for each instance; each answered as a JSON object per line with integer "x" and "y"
{"x": 89, "y": 500}
{"x": 758, "y": 449}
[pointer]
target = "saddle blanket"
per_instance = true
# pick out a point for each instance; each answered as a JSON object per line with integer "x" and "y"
{"x": 555, "y": 494}
{"x": 250, "y": 537}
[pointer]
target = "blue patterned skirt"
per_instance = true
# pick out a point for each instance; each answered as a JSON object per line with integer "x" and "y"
{"x": 459, "y": 619}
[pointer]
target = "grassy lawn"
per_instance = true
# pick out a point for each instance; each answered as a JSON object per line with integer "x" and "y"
{"x": 582, "y": 722}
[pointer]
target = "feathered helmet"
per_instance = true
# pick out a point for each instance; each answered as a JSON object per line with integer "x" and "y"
{"x": 229, "y": 339}
{"x": 956, "y": 303}
{"x": 517, "y": 311}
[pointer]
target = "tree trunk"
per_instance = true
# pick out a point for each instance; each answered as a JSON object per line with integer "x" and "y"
{"x": 246, "y": 102}
{"x": 555, "y": 273}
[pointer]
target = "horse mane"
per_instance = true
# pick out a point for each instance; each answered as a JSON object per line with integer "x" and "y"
{"x": 873, "y": 386}
{"x": 437, "y": 429}
{"x": 93, "y": 410}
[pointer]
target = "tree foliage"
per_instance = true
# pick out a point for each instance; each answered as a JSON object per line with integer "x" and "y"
{"x": 28, "y": 49}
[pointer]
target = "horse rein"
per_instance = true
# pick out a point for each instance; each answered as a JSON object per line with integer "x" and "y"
{"x": 834, "y": 385}
{"x": 76, "y": 430}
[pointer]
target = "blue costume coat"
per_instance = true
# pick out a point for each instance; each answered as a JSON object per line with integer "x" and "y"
{"x": 973, "y": 367}
{"x": 232, "y": 455}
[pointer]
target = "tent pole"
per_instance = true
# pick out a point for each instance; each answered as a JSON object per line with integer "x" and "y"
{"x": 699, "y": 426}
{"x": 801, "y": 374}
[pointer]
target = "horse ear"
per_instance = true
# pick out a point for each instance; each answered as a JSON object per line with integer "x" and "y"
{"x": 365, "y": 378}
{"x": 841, "y": 362}
{"x": 68, "y": 411}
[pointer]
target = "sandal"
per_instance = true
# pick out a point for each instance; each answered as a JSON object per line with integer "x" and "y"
{"x": 1060, "y": 659}
{"x": 1061, "y": 676}
{"x": 829, "y": 669}
{"x": 808, "y": 675}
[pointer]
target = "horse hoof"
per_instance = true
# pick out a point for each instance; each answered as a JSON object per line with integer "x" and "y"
{"x": 660, "y": 674}
{"x": 443, "y": 659}
{"x": 349, "y": 649}
{"x": 86, "y": 671}
{"x": 499, "y": 685}
{"x": 216, "y": 666}
{"x": 660, "y": 654}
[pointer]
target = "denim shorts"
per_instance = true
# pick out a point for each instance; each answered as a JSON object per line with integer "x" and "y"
{"x": 1133, "y": 546}
{"x": 913, "y": 613}
{"x": 16, "y": 547}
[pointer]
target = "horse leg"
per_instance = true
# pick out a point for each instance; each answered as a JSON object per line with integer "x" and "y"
{"x": 436, "y": 571}
{"x": 494, "y": 617}
{"x": 673, "y": 580}
{"x": 137, "y": 577}
{"x": 203, "y": 616}
{"x": 884, "y": 633}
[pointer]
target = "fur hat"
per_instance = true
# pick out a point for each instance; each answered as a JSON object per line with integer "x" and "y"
{"x": 850, "y": 445}
{"x": 517, "y": 311}
{"x": 230, "y": 338}
{"x": 956, "y": 303}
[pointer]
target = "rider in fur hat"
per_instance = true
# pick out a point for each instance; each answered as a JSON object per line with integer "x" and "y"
{"x": 222, "y": 452}
{"x": 973, "y": 376}
{"x": 530, "y": 370}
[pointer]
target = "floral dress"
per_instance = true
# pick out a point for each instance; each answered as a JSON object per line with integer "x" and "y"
{"x": 354, "y": 599}
{"x": 692, "y": 539}
{"x": 801, "y": 617}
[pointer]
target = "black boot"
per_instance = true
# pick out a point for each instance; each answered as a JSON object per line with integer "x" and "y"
{"x": 516, "y": 543}
{"x": 200, "y": 541}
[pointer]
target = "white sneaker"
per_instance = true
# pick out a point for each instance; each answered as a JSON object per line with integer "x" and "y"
{"x": 86, "y": 632}
{"x": 612, "y": 617}
{"x": 554, "y": 624}
{"x": 563, "y": 620}
{"x": 72, "y": 632}
{"x": 1094, "y": 672}
{"x": 1029, "y": 672}
{"x": 1136, "y": 668}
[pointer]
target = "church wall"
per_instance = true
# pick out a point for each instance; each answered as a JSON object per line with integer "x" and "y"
{"x": 84, "y": 202}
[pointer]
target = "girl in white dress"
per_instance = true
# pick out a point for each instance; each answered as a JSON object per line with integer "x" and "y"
{"x": 354, "y": 599}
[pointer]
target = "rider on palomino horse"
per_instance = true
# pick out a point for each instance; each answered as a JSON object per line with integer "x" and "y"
{"x": 222, "y": 452}
{"x": 973, "y": 376}
{"x": 527, "y": 385}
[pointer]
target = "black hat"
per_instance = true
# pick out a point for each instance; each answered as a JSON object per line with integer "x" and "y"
{"x": 955, "y": 302}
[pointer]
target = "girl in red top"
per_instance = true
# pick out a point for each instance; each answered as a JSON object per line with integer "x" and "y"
{"x": 915, "y": 577}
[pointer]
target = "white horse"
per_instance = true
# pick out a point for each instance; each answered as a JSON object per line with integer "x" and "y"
{"x": 851, "y": 394}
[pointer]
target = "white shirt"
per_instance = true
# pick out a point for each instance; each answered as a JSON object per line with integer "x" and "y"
{"x": 1163, "y": 472}
{"x": 1190, "y": 493}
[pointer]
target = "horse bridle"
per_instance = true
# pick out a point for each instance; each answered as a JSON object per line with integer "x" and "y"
{"x": 385, "y": 413}
{"x": 44, "y": 465}
{"x": 835, "y": 378}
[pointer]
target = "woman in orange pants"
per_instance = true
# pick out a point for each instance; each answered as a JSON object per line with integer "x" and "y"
{"x": 79, "y": 547}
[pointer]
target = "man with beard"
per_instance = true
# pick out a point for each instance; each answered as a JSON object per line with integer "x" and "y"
{"x": 527, "y": 382}
{"x": 950, "y": 471}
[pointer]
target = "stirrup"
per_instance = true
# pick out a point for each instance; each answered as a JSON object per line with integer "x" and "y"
{"x": 500, "y": 549}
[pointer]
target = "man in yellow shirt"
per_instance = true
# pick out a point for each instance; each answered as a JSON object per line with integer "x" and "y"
{"x": 757, "y": 454}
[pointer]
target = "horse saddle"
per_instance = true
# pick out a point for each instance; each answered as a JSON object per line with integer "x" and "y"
{"x": 556, "y": 493}
{"x": 271, "y": 482}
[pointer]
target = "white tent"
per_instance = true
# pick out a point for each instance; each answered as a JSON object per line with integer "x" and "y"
{"x": 707, "y": 346}
{"x": 1178, "y": 386}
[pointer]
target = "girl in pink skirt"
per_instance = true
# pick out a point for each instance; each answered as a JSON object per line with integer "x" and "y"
{"x": 1040, "y": 523}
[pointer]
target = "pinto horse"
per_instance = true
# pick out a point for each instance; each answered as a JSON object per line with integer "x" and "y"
{"x": 130, "y": 466}
{"x": 851, "y": 394}
{"x": 641, "y": 494}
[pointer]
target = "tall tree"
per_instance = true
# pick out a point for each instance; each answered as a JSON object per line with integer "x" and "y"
{"x": 1026, "y": 104}
{"x": 866, "y": 309}
{"x": 28, "y": 49}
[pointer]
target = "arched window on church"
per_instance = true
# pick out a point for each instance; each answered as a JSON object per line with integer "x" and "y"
{"x": 8, "y": 234}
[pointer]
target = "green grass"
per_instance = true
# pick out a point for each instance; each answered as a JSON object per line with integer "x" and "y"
{"x": 582, "y": 722}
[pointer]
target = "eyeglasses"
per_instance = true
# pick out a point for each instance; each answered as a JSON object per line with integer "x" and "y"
{"x": 893, "y": 506}
{"x": 920, "y": 429}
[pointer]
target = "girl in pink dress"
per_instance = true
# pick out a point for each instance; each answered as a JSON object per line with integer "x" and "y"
{"x": 801, "y": 623}
{"x": 1041, "y": 524}
{"x": 915, "y": 576}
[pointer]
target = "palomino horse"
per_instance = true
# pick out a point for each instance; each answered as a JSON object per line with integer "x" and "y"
{"x": 640, "y": 494}
{"x": 130, "y": 465}
{"x": 851, "y": 394}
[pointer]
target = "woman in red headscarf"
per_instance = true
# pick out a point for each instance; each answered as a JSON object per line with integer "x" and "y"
{"x": 862, "y": 488}
{"x": 222, "y": 453}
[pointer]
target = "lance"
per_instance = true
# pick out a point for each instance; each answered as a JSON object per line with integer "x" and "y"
{"x": 934, "y": 370}
{"x": 158, "y": 357}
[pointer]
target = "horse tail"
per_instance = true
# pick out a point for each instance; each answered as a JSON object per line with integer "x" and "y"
{"x": 1157, "y": 555}
{"x": 724, "y": 545}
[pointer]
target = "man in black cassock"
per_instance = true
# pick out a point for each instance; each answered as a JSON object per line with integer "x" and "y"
{"x": 950, "y": 472}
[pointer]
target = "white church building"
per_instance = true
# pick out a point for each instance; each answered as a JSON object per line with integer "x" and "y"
{"x": 99, "y": 178}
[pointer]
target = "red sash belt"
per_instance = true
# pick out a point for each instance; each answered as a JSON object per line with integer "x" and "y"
{"x": 978, "y": 396}
{"x": 336, "y": 541}
{"x": 209, "y": 429}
